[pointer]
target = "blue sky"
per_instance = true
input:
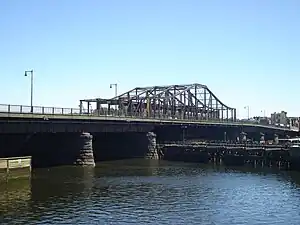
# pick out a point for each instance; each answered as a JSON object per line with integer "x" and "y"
{"x": 246, "y": 52}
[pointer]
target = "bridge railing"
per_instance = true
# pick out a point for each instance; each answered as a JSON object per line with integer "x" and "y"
{"x": 23, "y": 109}
{"x": 42, "y": 110}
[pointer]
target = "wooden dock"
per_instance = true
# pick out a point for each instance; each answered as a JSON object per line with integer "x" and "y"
{"x": 14, "y": 167}
{"x": 228, "y": 154}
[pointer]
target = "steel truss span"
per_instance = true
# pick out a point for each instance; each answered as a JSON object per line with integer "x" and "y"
{"x": 182, "y": 102}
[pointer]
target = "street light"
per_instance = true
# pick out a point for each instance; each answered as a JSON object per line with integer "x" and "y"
{"x": 248, "y": 109}
{"x": 116, "y": 91}
{"x": 264, "y": 111}
{"x": 31, "y": 88}
{"x": 116, "y": 88}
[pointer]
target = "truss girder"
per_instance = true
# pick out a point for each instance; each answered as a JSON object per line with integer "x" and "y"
{"x": 192, "y": 101}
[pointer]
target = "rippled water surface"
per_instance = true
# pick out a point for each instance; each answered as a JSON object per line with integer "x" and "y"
{"x": 151, "y": 192}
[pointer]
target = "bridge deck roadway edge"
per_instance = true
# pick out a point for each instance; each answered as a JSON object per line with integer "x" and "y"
{"x": 82, "y": 118}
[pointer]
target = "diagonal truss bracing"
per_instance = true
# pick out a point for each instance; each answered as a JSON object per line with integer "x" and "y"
{"x": 191, "y": 102}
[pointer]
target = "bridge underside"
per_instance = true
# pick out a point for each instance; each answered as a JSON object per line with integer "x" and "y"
{"x": 191, "y": 102}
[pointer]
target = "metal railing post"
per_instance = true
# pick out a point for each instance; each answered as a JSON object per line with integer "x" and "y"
{"x": 8, "y": 108}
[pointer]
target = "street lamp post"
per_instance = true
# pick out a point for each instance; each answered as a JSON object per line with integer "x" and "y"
{"x": 248, "y": 110}
{"x": 116, "y": 91}
{"x": 116, "y": 88}
{"x": 31, "y": 88}
{"x": 264, "y": 111}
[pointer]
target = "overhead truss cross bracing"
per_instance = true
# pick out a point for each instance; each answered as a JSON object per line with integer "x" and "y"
{"x": 190, "y": 102}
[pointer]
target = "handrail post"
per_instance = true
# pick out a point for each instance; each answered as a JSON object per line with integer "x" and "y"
{"x": 8, "y": 108}
{"x": 53, "y": 110}
{"x": 62, "y": 111}
{"x": 21, "y": 109}
{"x": 43, "y": 110}
{"x": 71, "y": 111}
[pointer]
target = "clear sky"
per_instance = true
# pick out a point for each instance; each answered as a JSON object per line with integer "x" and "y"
{"x": 247, "y": 52}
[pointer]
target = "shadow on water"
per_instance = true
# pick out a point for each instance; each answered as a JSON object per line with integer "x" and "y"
{"x": 61, "y": 187}
{"x": 46, "y": 190}
{"x": 133, "y": 167}
{"x": 14, "y": 195}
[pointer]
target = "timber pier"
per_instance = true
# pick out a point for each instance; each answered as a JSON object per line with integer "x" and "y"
{"x": 231, "y": 154}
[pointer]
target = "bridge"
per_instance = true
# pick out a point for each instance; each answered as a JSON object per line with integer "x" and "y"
{"x": 192, "y": 104}
{"x": 185, "y": 102}
{"x": 135, "y": 118}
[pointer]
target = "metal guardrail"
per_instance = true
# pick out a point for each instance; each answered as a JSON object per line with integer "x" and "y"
{"x": 22, "y": 109}
{"x": 42, "y": 110}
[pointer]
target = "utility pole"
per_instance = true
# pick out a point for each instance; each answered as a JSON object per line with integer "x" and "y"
{"x": 264, "y": 111}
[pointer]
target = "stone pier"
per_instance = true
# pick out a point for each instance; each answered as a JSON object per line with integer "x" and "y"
{"x": 262, "y": 138}
{"x": 276, "y": 139}
{"x": 243, "y": 137}
{"x": 152, "y": 152}
{"x": 83, "y": 150}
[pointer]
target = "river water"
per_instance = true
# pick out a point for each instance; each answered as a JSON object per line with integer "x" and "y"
{"x": 152, "y": 192}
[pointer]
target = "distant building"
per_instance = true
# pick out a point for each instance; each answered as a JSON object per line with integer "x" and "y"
{"x": 279, "y": 118}
{"x": 262, "y": 120}
{"x": 294, "y": 122}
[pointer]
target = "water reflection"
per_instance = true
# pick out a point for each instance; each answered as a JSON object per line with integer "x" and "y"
{"x": 155, "y": 192}
{"x": 54, "y": 183}
{"x": 14, "y": 196}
